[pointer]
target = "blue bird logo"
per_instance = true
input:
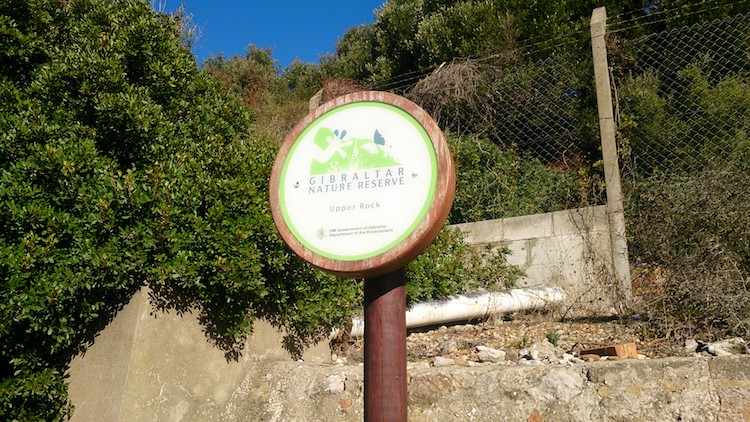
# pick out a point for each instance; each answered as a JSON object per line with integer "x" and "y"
{"x": 378, "y": 138}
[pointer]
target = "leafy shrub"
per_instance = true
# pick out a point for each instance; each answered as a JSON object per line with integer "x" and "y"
{"x": 684, "y": 103}
{"x": 493, "y": 183}
{"x": 685, "y": 123}
{"x": 93, "y": 94}
{"x": 450, "y": 266}
{"x": 691, "y": 233}
{"x": 121, "y": 164}
{"x": 277, "y": 101}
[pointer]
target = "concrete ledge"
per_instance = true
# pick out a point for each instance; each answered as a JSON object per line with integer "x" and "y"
{"x": 153, "y": 365}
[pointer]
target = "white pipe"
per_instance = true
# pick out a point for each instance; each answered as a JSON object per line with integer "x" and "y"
{"x": 481, "y": 305}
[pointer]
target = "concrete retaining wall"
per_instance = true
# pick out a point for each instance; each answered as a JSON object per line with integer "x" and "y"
{"x": 152, "y": 366}
{"x": 684, "y": 389}
{"x": 149, "y": 365}
{"x": 571, "y": 249}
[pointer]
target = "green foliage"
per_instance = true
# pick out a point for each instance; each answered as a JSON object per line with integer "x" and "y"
{"x": 93, "y": 96}
{"x": 253, "y": 78}
{"x": 492, "y": 183}
{"x": 465, "y": 29}
{"x": 302, "y": 80}
{"x": 685, "y": 124}
{"x": 355, "y": 54}
{"x": 122, "y": 164}
{"x": 679, "y": 13}
{"x": 523, "y": 343}
{"x": 553, "y": 337}
{"x": 684, "y": 106}
{"x": 450, "y": 266}
{"x": 397, "y": 51}
{"x": 414, "y": 36}
{"x": 34, "y": 392}
{"x": 277, "y": 101}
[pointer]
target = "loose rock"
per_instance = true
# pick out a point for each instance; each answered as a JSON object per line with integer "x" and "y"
{"x": 732, "y": 346}
{"x": 335, "y": 383}
{"x": 691, "y": 346}
{"x": 441, "y": 361}
{"x": 591, "y": 357}
{"x": 545, "y": 351}
{"x": 488, "y": 354}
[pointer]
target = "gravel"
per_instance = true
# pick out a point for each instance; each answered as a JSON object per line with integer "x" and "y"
{"x": 520, "y": 339}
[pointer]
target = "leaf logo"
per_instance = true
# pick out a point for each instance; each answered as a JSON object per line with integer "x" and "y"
{"x": 337, "y": 153}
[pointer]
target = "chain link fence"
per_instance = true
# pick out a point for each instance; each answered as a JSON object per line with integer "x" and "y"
{"x": 683, "y": 98}
{"x": 542, "y": 113}
{"x": 539, "y": 108}
{"x": 683, "y": 114}
{"x": 681, "y": 102}
{"x": 682, "y": 111}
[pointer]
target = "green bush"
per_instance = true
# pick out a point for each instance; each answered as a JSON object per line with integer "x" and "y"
{"x": 684, "y": 136}
{"x": 123, "y": 165}
{"x": 277, "y": 101}
{"x": 683, "y": 124}
{"x": 493, "y": 183}
{"x": 450, "y": 266}
{"x": 93, "y": 94}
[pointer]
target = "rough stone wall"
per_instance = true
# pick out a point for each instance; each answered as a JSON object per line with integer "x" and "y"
{"x": 675, "y": 389}
{"x": 152, "y": 366}
{"x": 149, "y": 365}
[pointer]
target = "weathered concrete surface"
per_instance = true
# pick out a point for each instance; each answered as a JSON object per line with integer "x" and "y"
{"x": 151, "y": 366}
{"x": 677, "y": 389}
{"x": 683, "y": 389}
{"x": 570, "y": 249}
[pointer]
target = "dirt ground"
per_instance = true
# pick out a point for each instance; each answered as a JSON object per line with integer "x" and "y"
{"x": 517, "y": 331}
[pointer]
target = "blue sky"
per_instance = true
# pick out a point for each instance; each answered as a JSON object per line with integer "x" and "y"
{"x": 294, "y": 29}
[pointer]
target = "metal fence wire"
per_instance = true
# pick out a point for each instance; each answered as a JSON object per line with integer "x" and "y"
{"x": 682, "y": 96}
{"x": 539, "y": 108}
{"x": 681, "y": 102}
{"x": 543, "y": 111}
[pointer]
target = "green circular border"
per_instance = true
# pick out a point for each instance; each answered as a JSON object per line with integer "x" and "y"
{"x": 425, "y": 207}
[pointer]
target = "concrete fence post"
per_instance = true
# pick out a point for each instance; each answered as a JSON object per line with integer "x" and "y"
{"x": 615, "y": 209}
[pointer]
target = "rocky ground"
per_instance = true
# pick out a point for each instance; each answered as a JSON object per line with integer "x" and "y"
{"x": 518, "y": 336}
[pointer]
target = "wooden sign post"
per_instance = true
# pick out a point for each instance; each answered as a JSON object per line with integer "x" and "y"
{"x": 361, "y": 186}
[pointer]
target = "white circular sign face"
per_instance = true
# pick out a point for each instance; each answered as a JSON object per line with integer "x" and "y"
{"x": 358, "y": 180}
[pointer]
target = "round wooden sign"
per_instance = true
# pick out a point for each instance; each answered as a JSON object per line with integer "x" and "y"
{"x": 363, "y": 184}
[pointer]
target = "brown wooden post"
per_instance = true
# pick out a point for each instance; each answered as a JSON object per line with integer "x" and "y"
{"x": 385, "y": 347}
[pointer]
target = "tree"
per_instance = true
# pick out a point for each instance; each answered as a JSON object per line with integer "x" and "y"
{"x": 412, "y": 37}
{"x": 278, "y": 99}
{"x": 252, "y": 77}
{"x": 355, "y": 54}
{"x": 122, "y": 164}
{"x": 302, "y": 80}
{"x": 468, "y": 30}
